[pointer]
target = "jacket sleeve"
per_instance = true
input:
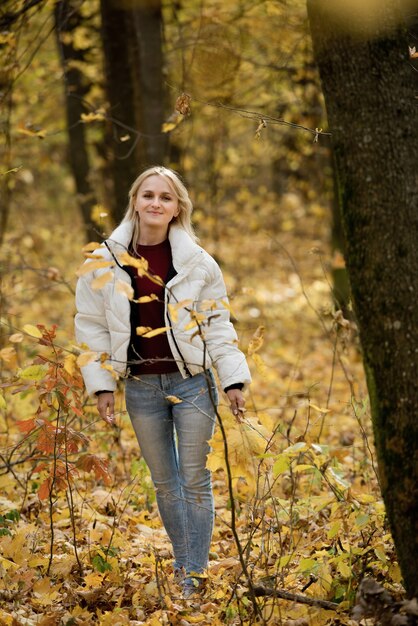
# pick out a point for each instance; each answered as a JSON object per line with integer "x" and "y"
{"x": 220, "y": 337}
{"x": 91, "y": 328}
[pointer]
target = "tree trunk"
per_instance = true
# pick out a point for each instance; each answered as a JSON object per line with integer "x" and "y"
{"x": 121, "y": 94}
{"x": 67, "y": 20}
{"x": 149, "y": 83}
{"x": 369, "y": 91}
{"x": 5, "y": 155}
{"x": 132, "y": 38}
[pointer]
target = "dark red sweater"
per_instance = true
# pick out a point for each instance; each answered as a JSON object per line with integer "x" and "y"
{"x": 150, "y": 356}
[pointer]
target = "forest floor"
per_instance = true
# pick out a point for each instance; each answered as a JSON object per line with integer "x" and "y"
{"x": 308, "y": 514}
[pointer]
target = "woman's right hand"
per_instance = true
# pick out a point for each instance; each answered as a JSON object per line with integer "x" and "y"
{"x": 106, "y": 406}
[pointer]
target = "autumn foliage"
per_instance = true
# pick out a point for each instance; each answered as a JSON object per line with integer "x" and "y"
{"x": 299, "y": 517}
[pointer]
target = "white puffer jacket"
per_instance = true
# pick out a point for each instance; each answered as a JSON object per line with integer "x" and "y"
{"x": 103, "y": 318}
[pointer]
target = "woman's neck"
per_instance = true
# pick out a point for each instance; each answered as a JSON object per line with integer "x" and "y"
{"x": 149, "y": 237}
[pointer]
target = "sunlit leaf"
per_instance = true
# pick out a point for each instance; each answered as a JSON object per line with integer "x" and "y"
{"x": 149, "y": 333}
{"x": 317, "y": 408}
{"x": 101, "y": 281}
{"x": 70, "y": 362}
{"x": 9, "y": 356}
{"x": 87, "y": 118}
{"x": 256, "y": 340}
{"x": 91, "y": 266}
{"x": 33, "y": 372}
{"x": 33, "y": 331}
{"x": 140, "y": 264}
{"x": 174, "y": 399}
{"x": 86, "y": 358}
{"x": 91, "y": 247}
{"x": 123, "y": 287}
{"x": 281, "y": 465}
{"x": 145, "y": 299}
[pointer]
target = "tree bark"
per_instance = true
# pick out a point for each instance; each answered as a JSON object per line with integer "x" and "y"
{"x": 133, "y": 46}
{"x": 125, "y": 144}
{"x": 149, "y": 83}
{"x": 67, "y": 20}
{"x": 369, "y": 92}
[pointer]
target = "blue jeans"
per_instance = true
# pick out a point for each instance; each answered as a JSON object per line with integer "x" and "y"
{"x": 173, "y": 438}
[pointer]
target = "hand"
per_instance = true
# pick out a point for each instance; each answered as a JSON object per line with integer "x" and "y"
{"x": 237, "y": 402}
{"x": 105, "y": 406}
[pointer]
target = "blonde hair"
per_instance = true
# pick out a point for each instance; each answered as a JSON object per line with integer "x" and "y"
{"x": 185, "y": 205}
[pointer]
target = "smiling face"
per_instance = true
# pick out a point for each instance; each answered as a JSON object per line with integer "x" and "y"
{"x": 156, "y": 205}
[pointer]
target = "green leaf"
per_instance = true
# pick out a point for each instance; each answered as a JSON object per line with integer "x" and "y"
{"x": 281, "y": 464}
{"x": 33, "y": 372}
{"x": 101, "y": 564}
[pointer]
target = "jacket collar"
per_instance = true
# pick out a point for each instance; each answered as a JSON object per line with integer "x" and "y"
{"x": 184, "y": 250}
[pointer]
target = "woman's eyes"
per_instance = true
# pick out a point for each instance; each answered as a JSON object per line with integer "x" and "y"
{"x": 149, "y": 195}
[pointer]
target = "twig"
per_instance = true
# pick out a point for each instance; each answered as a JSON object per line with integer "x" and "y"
{"x": 260, "y": 590}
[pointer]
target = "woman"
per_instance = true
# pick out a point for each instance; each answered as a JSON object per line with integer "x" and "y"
{"x": 177, "y": 287}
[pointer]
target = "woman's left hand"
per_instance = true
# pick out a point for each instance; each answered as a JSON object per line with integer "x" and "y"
{"x": 237, "y": 402}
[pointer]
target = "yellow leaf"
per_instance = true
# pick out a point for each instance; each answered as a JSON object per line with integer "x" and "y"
{"x": 33, "y": 372}
{"x": 156, "y": 279}
{"x": 16, "y": 337}
{"x": 26, "y": 130}
{"x": 140, "y": 264}
{"x": 365, "y": 498}
{"x": 91, "y": 255}
{"x": 155, "y": 332}
{"x": 302, "y": 467}
{"x": 15, "y": 548}
{"x": 228, "y": 307}
{"x": 123, "y": 287}
{"x": 141, "y": 330}
{"x": 174, "y": 399}
{"x": 70, "y": 364}
{"x": 260, "y": 365}
{"x": 173, "y": 121}
{"x": 173, "y": 311}
{"x": 94, "y": 579}
{"x": 145, "y": 299}
{"x": 90, "y": 247}
{"x": 183, "y": 304}
{"x": 168, "y": 126}
{"x": 207, "y": 305}
{"x": 101, "y": 281}
{"x": 2, "y": 402}
{"x": 380, "y": 553}
{"x": 334, "y": 530}
{"x": 317, "y": 408}
{"x": 8, "y": 355}
{"x": 294, "y": 450}
{"x": 256, "y": 341}
{"x": 87, "y": 118}
{"x": 91, "y": 266}
{"x": 31, "y": 330}
{"x": 190, "y": 325}
{"x": 6, "y": 564}
{"x": 62, "y": 564}
{"x": 344, "y": 569}
{"x": 85, "y": 358}
{"x": 281, "y": 465}
{"x": 98, "y": 213}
